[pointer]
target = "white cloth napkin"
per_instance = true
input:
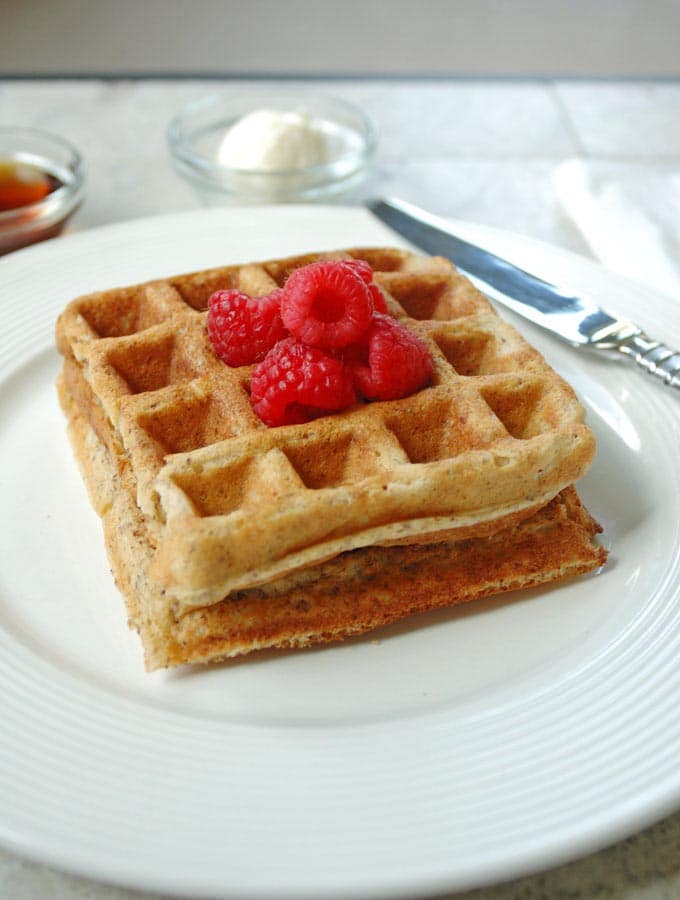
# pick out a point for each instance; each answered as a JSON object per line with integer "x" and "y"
{"x": 629, "y": 216}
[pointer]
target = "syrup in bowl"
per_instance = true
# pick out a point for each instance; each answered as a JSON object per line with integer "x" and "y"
{"x": 41, "y": 186}
{"x": 22, "y": 184}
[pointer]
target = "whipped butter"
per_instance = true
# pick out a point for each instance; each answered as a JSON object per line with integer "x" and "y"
{"x": 268, "y": 140}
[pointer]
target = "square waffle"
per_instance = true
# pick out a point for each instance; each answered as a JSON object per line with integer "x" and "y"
{"x": 214, "y": 521}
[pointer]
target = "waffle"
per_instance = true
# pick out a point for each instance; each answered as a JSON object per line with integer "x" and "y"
{"x": 353, "y": 593}
{"x": 208, "y": 503}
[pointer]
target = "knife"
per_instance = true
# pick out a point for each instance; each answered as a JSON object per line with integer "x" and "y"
{"x": 571, "y": 317}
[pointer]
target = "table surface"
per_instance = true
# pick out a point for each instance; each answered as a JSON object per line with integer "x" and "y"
{"x": 482, "y": 150}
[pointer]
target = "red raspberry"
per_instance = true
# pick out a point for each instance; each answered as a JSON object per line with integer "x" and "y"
{"x": 326, "y": 304}
{"x": 365, "y": 272}
{"x": 294, "y": 384}
{"x": 361, "y": 268}
{"x": 243, "y": 329}
{"x": 391, "y": 363}
{"x": 379, "y": 303}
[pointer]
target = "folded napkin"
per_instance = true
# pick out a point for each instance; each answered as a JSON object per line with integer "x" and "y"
{"x": 628, "y": 215}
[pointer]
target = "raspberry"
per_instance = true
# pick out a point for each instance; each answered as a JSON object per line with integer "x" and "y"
{"x": 361, "y": 268}
{"x": 391, "y": 362}
{"x": 365, "y": 272}
{"x": 243, "y": 329}
{"x": 379, "y": 304}
{"x": 326, "y": 304}
{"x": 294, "y": 384}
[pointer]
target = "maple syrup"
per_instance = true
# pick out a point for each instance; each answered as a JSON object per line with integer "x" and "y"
{"x": 27, "y": 211}
{"x": 23, "y": 183}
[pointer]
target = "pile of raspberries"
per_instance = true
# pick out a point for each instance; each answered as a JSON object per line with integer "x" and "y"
{"x": 319, "y": 344}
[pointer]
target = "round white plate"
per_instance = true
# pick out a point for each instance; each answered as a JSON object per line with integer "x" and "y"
{"x": 457, "y": 749}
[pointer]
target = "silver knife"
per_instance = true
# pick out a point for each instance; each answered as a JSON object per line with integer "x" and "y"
{"x": 567, "y": 315}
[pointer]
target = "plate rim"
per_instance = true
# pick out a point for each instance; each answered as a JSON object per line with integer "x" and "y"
{"x": 667, "y": 797}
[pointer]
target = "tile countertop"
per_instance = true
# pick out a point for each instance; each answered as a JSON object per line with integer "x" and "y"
{"x": 482, "y": 150}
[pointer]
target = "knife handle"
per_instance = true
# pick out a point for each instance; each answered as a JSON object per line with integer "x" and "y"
{"x": 654, "y": 357}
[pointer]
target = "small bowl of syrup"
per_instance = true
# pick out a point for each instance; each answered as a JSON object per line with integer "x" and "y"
{"x": 41, "y": 186}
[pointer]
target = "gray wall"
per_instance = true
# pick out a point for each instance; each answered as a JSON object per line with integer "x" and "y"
{"x": 442, "y": 37}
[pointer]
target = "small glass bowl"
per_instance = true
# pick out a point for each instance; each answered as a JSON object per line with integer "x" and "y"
{"x": 62, "y": 164}
{"x": 197, "y": 131}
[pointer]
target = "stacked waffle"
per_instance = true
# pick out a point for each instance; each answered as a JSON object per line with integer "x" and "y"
{"x": 226, "y": 536}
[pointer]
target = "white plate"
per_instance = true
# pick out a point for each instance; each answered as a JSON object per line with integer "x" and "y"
{"x": 459, "y": 749}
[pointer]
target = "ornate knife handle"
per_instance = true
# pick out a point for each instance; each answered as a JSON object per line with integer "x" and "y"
{"x": 652, "y": 356}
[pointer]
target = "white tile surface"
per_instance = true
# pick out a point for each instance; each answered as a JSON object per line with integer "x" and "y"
{"x": 21, "y": 880}
{"x": 510, "y": 194}
{"x": 456, "y": 119}
{"x": 635, "y": 119}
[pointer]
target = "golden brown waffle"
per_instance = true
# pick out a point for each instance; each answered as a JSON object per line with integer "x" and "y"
{"x": 202, "y": 503}
{"x": 353, "y": 593}
{"x": 229, "y": 504}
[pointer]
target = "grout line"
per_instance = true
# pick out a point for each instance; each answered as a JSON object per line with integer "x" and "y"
{"x": 566, "y": 119}
{"x": 227, "y": 76}
{"x": 471, "y": 156}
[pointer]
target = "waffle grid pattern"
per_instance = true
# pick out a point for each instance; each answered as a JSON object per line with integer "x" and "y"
{"x": 230, "y": 503}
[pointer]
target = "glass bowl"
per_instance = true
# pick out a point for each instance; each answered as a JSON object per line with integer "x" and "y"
{"x": 196, "y": 134}
{"x": 56, "y": 162}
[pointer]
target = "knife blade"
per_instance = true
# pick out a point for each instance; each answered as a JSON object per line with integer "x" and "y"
{"x": 568, "y": 315}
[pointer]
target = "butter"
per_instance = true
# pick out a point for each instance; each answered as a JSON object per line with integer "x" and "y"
{"x": 269, "y": 140}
